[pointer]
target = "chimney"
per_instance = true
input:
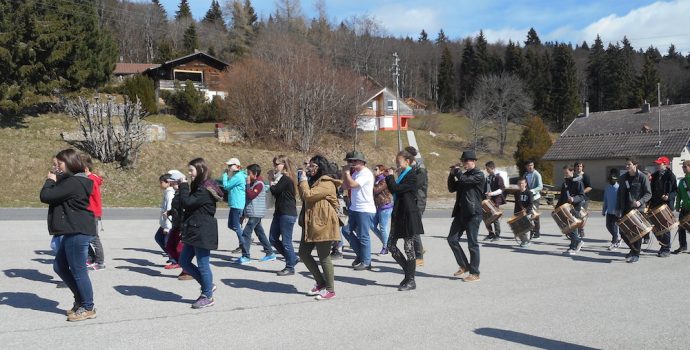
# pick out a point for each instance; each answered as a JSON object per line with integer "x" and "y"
{"x": 646, "y": 108}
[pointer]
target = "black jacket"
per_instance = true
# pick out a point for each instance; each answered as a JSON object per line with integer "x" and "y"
{"x": 176, "y": 212}
{"x": 406, "y": 220}
{"x": 663, "y": 183}
{"x": 469, "y": 192}
{"x": 631, "y": 189}
{"x": 523, "y": 200}
{"x": 422, "y": 187}
{"x": 284, "y": 193}
{"x": 68, "y": 201}
{"x": 493, "y": 183}
{"x": 199, "y": 226}
{"x": 575, "y": 190}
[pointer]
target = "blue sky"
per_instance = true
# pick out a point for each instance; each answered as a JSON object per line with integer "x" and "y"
{"x": 644, "y": 22}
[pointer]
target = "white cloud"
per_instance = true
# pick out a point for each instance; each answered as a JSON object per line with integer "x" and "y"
{"x": 405, "y": 20}
{"x": 504, "y": 34}
{"x": 659, "y": 24}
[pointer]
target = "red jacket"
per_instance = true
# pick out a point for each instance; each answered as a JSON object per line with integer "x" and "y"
{"x": 95, "y": 204}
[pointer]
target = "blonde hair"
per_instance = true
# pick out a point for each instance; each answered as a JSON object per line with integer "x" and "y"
{"x": 288, "y": 170}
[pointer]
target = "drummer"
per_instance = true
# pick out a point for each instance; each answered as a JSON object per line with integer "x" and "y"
{"x": 633, "y": 193}
{"x": 664, "y": 190}
{"x": 572, "y": 192}
{"x": 523, "y": 205}
{"x": 586, "y": 182}
{"x": 683, "y": 206}
{"x": 494, "y": 192}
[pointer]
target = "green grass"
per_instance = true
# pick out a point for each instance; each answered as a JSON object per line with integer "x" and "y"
{"x": 27, "y": 151}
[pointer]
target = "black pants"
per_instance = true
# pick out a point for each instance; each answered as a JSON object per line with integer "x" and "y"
{"x": 418, "y": 247}
{"x": 682, "y": 238}
{"x": 96, "y": 253}
{"x": 496, "y": 227}
{"x": 457, "y": 228}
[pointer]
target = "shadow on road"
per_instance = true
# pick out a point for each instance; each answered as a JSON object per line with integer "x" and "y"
{"x": 145, "y": 250}
{"x": 270, "y": 287}
{"x": 31, "y": 301}
{"x": 529, "y": 340}
{"x": 140, "y": 262}
{"x": 31, "y": 275}
{"x": 144, "y": 270}
{"x": 151, "y": 293}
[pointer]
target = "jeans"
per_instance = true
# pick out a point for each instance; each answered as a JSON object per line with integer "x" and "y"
{"x": 323, "y": 250}
{"x": 682, "y": 238}
{"x": 254, "y": 224}
{"x": 55, "y": 244}
{"x": 161, "y": 238}
{"x": 457, "y": 228}
{"x": 612, "y": 227}
{"x": 360, "y": 224}
{"x": 234, "y": 223}
{"x": 70, "y": 265}
{"x": 382, "y": 226}
{"x": 345, "y": 233}
{"x": 202, "y": 273}
{"x": 280, "y": 236}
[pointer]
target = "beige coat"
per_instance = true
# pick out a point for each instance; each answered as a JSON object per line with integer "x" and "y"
{"x": 319, "y": 218}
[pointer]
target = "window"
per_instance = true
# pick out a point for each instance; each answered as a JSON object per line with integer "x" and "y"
{"x": 390, "y": 105}
{"x": 184, "y": 75}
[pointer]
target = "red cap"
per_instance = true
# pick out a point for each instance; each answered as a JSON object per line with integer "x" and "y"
{"x": 662, "y": 160}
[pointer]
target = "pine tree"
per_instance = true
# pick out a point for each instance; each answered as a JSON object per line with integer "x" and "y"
{"x": 183, "y": 11}
{"x": 190, "y": 41}
{"x": 467, "y": 77}
{"x": 214, "y": 16}
{"x": 441, "y": 38}
{"x": 534, "y": 143}
{"x": 584, "y": 45}
{"x": 649, "y": 78}
{"x": 596, "y": 75}
{"x": 446, "y": 80}
{"x": 481, "y": 63}
{"x": 514, "y": 62}
{"x": 423, "y": 37}
{"x": 565, "y": 102}
{"x": 532, "y": 38}
{"x": 242, "y": 29}
{"x": 159, "y": 7}
{"x": 539, "y": 79}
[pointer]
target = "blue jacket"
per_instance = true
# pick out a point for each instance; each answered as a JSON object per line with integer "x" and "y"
{"x": 610, "y": 206}
{"x": 236, "y": 187}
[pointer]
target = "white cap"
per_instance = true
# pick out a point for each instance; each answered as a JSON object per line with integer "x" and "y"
{"x": 176, "y": 175}
{"x": 233, "y": 161}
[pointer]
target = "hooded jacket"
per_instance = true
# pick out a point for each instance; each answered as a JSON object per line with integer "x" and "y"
{"x": 319, "y": 218}
{"x": 68, "y": 201}
{"x": 199, "y": 226}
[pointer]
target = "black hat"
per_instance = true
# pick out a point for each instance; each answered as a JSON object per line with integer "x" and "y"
{"x": 355, "y": 155}
{"x": 468, "y": 155}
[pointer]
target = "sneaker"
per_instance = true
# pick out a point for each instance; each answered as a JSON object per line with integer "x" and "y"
{"x": 96, "y": 267}
{"x": 383, "y": 251}
{"x": 185, "y": 277}
{"x": 236, "y": 250}
{"x": 680, "y": 250}
{"x": 536, "y": 236}
{"x": 614, "y": 246}
{"x": 74, "y": 309}
{"x": 203, "y": 302}
{"x": 325, "y": 295}
{"x": 524, "y": 244}
{"x": 362, "y": 267}
{"x": 664, "y": 254}
{"x": 420, "y": 262}
{"x": 316, "y": 290}
{"x": 496, "y": 238}
{"x": 81, "y": 314}
{"x": 569, "y": 252}
{"x": 461, "y": 271}
{"x": 336, "y": 255}
{"x": 172, "y": 266}
{"x": 579, "y": 246}
{"x": 633, "y": 259}
{"x": 356, "y": 262}
{"x": 285, "y": 272}
{"x": 489, "y": 237}
{"x": 471, "y": 278}
{"x": 243, "y": 260}
{"x": 270, "y": 257}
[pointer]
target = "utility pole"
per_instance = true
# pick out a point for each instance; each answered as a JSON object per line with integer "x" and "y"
{"x": 658, "y": 100}
{"x": 396, "y": 74}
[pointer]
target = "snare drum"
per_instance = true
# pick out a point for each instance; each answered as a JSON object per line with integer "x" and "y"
{"x": 565, "y": 219}
{"x": 491, "y": 212}
{"x": 583, "y": 216}
{"x": 663, "y": 220}
{"x": 685, "y": 222}
{"x": 520, "y": 224}
{"x": 634, "y": 226}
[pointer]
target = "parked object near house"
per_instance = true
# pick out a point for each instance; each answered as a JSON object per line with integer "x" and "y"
{"x": 603, "y": 140}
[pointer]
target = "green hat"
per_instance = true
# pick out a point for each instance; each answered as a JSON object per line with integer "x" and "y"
{"x": 355, "y": 155}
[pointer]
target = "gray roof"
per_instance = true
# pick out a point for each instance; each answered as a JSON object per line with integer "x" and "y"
{"x": 622, "y": 133}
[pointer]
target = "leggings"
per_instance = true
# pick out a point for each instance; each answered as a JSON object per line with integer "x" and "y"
{"x": 408, "y": 245}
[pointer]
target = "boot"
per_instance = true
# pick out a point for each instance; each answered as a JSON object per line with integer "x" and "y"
{"x": 406, "y": 279}
{"x": 409, "y": 276}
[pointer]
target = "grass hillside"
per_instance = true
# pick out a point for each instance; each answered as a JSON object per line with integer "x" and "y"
{"x": 27, "y": 148}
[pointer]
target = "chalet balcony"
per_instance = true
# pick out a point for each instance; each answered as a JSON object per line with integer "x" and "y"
{"x": 170, "y": 84}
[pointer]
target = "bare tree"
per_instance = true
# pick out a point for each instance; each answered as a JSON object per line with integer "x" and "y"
{"x": 479, "y": 109}
{"x": 111, "y": 132}
{"x": 505, "y": 100}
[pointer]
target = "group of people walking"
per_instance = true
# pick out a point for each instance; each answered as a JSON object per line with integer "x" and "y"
{"x": 338, "y": 203}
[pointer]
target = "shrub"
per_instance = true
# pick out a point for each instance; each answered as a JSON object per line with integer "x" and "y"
{"x": 534, "y": 143}
{"x": 188, "y": 102}
{"x": 141, "y": 87}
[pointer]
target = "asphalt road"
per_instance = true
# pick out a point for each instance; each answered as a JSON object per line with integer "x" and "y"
{"x": 527, "y": 298}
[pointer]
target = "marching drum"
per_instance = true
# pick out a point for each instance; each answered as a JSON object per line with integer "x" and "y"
{"x": 491, "y": 213}
{"x": 634, "y": 226}
{"x": 663, "y": 219}
{"x": 520, "y": 224}
{"x": 565, "y": 219}
{"x": 583, "y": 216}
{"x": 685, "y": 222}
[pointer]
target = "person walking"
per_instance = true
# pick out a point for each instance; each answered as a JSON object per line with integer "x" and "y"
{"x": 406, "y": 220}
{"x": 422, "y": 188}
{"x": 199, "y": 227}
{"x": 319, "y": 222}
{"x": 96, "y": 254}
{"x": 494, "y": 192}
{"x": 70, "y": 218}
{"x": 534, "y": 183}
{"x": 384, "y": 207}
{"x": 634, "y": 192}
{"x": 683, "y": 206}
{"x": 573, "y": 193}
{"x": 234, "y": 181}
{"x": 284, "y": 189}
{"x": 359, "y": 180}
{"x": 610, "y": 210}
{"x": 469, "y": 189}
{"x": 254, "y": 211}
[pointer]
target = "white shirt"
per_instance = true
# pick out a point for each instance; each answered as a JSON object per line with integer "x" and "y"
{"x": 362, "y": 199}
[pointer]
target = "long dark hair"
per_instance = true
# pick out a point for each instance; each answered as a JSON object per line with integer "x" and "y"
{"x": 202, "y": 172}
{"x": 324, "y": 168}
{"x": 72, "y": 160}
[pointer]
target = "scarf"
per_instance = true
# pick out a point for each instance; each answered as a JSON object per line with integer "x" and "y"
{"x": 402, "y": 176}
